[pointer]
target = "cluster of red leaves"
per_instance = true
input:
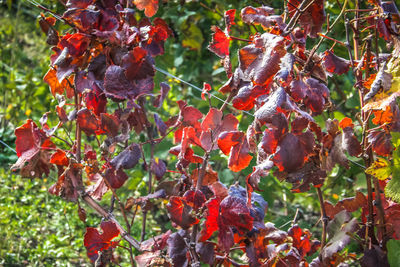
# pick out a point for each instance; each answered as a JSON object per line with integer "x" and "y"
{"x": 215, "y": 130}
{"x": 110, "y": 57}
{"x": 85, "y": 66}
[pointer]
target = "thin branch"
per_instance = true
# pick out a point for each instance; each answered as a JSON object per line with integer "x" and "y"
{"x": 315, "y": 48}
{"x": 228, "y": 100}
{"x": 61, "y": 139}
{"x": 293, "y": 21}
{"x": 193, "y": 239}
{"x": 324, "y": 218}
{"x": 240, "y": 39}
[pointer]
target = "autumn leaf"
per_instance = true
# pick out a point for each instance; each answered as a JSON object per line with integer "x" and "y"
{"x": 150, "y": 6}
{"x": 31, "y": 146}
{"x": 180, "y": 212}
{"x": 96, "y": 242}
{"x": 87, "y": 121}
{"x": 335, "y": 64}
{"x": 234, "y": 144}
{"x": 56, "y": 87}
{"x": 220, "y": 42}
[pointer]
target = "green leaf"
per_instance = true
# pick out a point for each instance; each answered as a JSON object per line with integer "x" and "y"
{"x": 393, "y": 247}
{"x": 395, "y": 139}
{"x": 392, "y": 188}
{"x": 381, "y": 169}
{"x": 193, "y": 37}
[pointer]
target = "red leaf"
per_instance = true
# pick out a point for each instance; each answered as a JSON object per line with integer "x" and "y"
{"x": 235, "y": 144}
{"x": 316, "y": 95}
{"x": 234, "y": 212}
{"x": 220, "y": 42}
{"x": 98, "y": 189}
{"x": 194, "y": 198}
{"x": 293, "y": 151}
{"x": 118, "y": 86}
{"x": 247, "y": 95}
{"x": 210, "y": 176}
{"x": 59, "y": 158}
{"x": 213, "y": 125}
{"x": 229, "y": 17}
{"x": 45, "y": 23}
{"x": 177, "y": 250}
{"x": 28, "y": 145}
{"x": 312, "y": 19}
{"x": 346, "y": 122}
{"x": 96, "y": 242}
{"x": 350, "y": 204}
{"x": 76, "y": 43}
{"x": 128, "y": 158}
{"x": 115, "y": 177}
{"x": 109, "y": 124}
{"x": 277, "y": 101}
{"x": 96, "y": 101}
{"x": 381, "y": 143}
{"x": 335, "y": 64}
{"x": 87, "y": 121}
{"x": 260, "y": 61}
{"x": 62, "y": 115}
{"x": 150, "y": 6}
{"x": 66, "y": 186}
{"x": 261, "y": 15}
{"x": 154, "y": 42}
{"x": 206, "y": 89}
{"x": 136, "y": 64}
{"x": 190, "y": 116}
{"x": 301, "y": 240}
{"x": 84, "y": 18}
{"x": 29, "y": 138}
{"x": 350, "y": 142}
{"x": 211, "y": 223}
{"x": 180, "y": 212}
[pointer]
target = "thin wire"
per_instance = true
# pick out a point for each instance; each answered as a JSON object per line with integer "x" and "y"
{"x": 196, "y": 87}
{"x": 5, "y": 144}
{"x": 33, "y": 2}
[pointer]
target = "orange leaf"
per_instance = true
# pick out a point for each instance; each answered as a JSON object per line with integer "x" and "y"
{"x": 55, "y": 86}
{"x": 150, "y": 6}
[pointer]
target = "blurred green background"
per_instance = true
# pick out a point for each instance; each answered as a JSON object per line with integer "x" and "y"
{"x": 39, "y": 229}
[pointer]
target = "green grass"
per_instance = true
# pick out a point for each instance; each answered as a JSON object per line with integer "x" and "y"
{"x": 36, "y": 228}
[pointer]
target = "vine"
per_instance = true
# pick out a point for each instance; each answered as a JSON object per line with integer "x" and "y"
{"x": 108, "y": 115}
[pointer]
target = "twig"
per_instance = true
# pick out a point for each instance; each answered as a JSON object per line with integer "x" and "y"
{"x": 228, "y": 100}
{"x": 61, "y": 139}
{"x": 193, "y": 239}
{"x": 357, "y": 73}
{"x": 315, "y": 48}
{"x": 324, "y": 218}
{"x": 150, "y": 137}
{"x": 299, "y": 11}
{"x": 240, "y": 39}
